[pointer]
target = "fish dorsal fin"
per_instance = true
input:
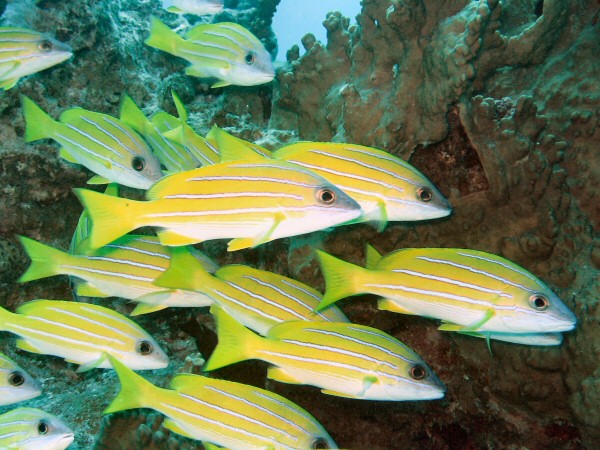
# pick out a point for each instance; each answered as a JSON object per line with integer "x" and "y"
{"x": 230, "y": 147}
{"x": 73, "y": 114}
{"x": 181, "y": 111}
{"x": 372, "y": 257}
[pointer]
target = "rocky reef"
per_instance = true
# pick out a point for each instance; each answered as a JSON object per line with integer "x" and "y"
{"x": 497, "y": 102}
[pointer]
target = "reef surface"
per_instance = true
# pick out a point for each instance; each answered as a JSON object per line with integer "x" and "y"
{"x": 498, "y": 103}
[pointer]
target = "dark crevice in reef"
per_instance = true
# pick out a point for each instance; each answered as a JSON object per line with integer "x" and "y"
{"x": 452, "y": 163}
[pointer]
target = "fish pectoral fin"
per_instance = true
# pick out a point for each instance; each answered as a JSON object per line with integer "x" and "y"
{"x": 64, "y": 154}
{"x": 91, "y": 364}
{"x": 387, "y": 304}
{"x": 448, "y": 326}
{"x": 368, "y": 381}
{"x": 279, "y": 374}
{"x": 242, "y": 243}
{"x": 339, "y": 394}
{"x": 220, "y": 83}
{"x": 475, "y": 326}
{"x": 28, "y": 346}
{"x": 381, "y": 221}
{"x": 145, "y": 308}
{"x": 86, "y": 289}
{"x": 172, "y": 238}
{"x": 98, "y": 179}
{"x": 176, "y": 428}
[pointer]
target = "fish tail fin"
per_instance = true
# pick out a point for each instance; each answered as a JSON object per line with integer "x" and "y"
{"x": 112, "y": 217}
{"x": 45, "y": 260}
{"x": 38, "y": 124}
{"x": 184, "y": 272}
{"x": 135, "y": 391}
{"x": 340, "y": 279}
{"x": 162, "y": 37}
{"x": 235, "y": 341}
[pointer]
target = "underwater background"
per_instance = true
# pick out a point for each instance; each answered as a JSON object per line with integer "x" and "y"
{"x": 496, "y": 102}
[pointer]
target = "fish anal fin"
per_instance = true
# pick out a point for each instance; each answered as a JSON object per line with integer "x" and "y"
{"x": 194, "y": 71}
{"x": 86, "y": 289}
{"x": 145, "y": 308}
{"x": 7, "y": 84}
{"x": 98, "y": 179}
{"x": 338, "y": 394}
{"x": 220, "y": 84}
{"x": 28, "y": 346}
{"x": 388, "y": 304}
{"x": 172, "y": 238}
{"x": 279, "y": 374}
{"x": 170, "y": 424}
{"x": 64, "y": 154}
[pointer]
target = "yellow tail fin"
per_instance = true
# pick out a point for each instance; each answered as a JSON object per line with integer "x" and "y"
{"x": 45, "y": 260}
{"x": 340, "y": 279}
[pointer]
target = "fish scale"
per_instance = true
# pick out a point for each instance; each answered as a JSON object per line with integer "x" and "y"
{"x": 103, "y": 144}
{"x": 127, "y": 268}
{"x": 249, "y": 202}
{"x": 474, "y": 291}
{"x": 23, "y": 52}
{"x": 343, "y": 359}
{"x": 81, "y": 333}
{"x": 225, "y": 413}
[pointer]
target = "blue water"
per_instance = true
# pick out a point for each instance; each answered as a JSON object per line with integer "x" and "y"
{"x": 291, "y": 23}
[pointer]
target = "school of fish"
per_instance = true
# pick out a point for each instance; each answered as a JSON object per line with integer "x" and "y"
{"x": 200, "y": 188}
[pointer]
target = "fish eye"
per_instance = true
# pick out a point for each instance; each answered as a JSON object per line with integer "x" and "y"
{"x": 43, "y": 427}
{"x": 16, "y": 379}
{"x": 326, "y": 196}
{"x": 319, "y": 443}
{"x": 45, "y": 45}
{"x": 425, "y": 194}
{"x": 144, "y": 348}
{"x": 138, "y": 163}
{"x": 250, "y": 58}
{"x": 418, "y": 372}
{"x": 539, "y": 302}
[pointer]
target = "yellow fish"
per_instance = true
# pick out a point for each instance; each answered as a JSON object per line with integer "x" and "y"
{"x": 472, "y": 290}
{"x": 83, "y": 334}
{"x": 33, "y": 429}
{"x": 16, "y": 385}
{"x": 232, "y": 415}
{"x": 224, "y": 50}
{"x": 251, "y": 202}
{"x": 343, "y": 359}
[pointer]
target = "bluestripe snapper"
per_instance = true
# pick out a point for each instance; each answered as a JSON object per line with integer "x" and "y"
{"x": 196, "y": 7}
{"x": 16, "y": 385}
{"x": 33, "y": 429}
{"x": 23, "y": 52}
{"x": 232, "y": 415}
{"x": 256, "y": 298}
{"x": 386, "y": 187}
{"x": 103, "y": 144}
{"x": 82, "y": 333}
{"x": 175, "y": 157}
{"x": 343, "y": 359}
{"x": 251, "y": 202}
{"x": 127, "y": 268}
{"x": 472, "y": 290}
{"x": 225, "y": 50}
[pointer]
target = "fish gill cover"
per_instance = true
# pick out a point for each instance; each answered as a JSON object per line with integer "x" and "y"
{"x": 494, "y": 102}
